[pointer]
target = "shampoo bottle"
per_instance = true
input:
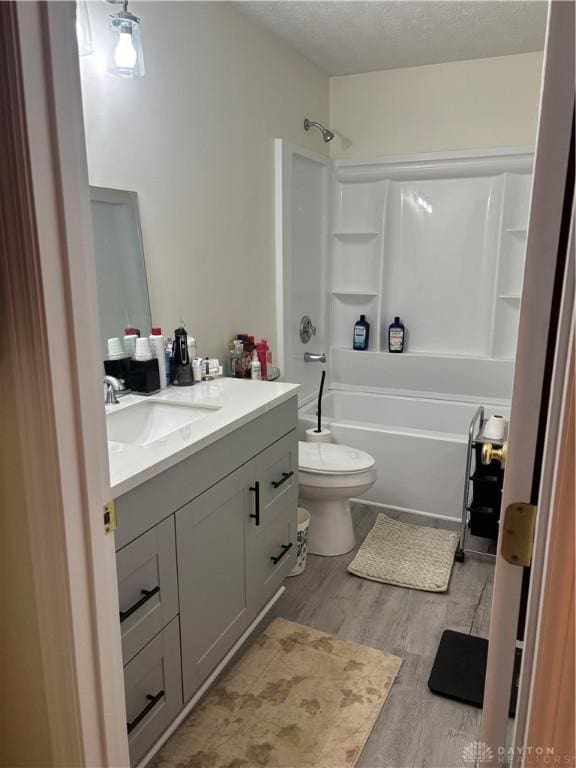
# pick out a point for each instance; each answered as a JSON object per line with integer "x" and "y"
{"x": 396, "y": 336}
{"x": 361, "y": 333}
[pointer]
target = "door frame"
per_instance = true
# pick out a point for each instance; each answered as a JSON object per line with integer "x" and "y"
{"x": 51, "y": 278}
{"x": 49, "y": 286}
{"x": 284, "y": 151}
{"x": 534, "y": 399}
{"x": 546, "y": 685}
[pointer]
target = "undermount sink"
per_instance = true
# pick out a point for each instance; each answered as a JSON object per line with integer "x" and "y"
{"x": 152, "y": 420}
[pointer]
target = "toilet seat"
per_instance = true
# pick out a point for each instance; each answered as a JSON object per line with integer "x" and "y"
{"x": 333, "y": 459}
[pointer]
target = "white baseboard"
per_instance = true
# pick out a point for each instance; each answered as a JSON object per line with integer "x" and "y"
{"x": 208, "y": 682}
{"x": 405, "y": 510}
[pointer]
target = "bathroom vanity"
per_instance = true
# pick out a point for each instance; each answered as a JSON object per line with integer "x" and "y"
{"x": 206, "y": 531}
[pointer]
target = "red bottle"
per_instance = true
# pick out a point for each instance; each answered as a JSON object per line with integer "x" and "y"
{"x": 262, "y": 351}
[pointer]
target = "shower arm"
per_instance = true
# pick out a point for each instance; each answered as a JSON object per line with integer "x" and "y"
{"x": 309, "y": 123}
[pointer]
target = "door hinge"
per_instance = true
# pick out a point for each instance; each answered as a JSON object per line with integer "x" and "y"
{"x": 518, "y": 533}
{"x": 109, "y": 517}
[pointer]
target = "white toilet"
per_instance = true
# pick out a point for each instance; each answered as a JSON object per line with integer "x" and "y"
{"x": 330, "y": 475}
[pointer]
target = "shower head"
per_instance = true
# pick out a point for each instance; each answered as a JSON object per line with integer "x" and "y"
{"x": 327, "y": 134}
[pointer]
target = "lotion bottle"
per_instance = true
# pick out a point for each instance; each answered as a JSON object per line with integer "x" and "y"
{"x": 158, "y": 348}
{"x": 255, "y": 368}
{"x": 130, "y": 336}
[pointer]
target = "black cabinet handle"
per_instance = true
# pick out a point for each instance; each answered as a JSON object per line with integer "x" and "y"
{"x": 256, "y": 491}
{"x": 147, "y": 595}
{"x": 285, "y": 549}
{"x": 285, "y": 476}
{"x": 152, "y": 701}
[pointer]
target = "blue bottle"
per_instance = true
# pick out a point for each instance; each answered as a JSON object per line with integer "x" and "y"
{"x": 361, "y": 333}
{"x": 396, "y": 336}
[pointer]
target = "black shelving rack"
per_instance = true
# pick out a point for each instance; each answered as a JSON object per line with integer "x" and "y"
{"x": 486, "y": 518}
{"x": 459, "y": 668}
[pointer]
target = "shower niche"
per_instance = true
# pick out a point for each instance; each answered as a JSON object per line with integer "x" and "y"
{"x": 437, "y": 239}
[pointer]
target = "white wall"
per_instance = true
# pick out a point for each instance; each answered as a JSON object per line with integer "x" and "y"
{"x": 194, "y": 138}
{"x": 456, "y": 105}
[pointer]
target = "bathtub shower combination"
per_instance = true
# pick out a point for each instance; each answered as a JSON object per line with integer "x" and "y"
{"x": 437, "y": 239}
{"x": 419, "y": 446}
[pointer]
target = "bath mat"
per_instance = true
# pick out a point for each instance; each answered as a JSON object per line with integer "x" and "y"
{"x": 298, "y": 698}
{"x": 406, "y": 555}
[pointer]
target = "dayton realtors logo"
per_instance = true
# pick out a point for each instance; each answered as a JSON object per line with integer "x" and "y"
{"x": 477, "y": 752}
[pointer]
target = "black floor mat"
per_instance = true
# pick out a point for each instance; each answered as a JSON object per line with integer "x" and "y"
{"x": 459, "y": 669}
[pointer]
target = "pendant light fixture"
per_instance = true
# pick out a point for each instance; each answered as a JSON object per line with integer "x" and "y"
{"x": 125, "y": 57}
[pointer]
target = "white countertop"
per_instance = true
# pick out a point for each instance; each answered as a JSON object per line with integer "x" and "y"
{"x": 239, "y": 401}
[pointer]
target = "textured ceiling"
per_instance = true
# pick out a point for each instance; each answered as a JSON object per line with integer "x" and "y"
{"x": 344, "y": 38}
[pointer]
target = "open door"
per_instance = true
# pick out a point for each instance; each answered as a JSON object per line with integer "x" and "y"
{"x": 542, "y": 325}
{"x": 62, "y": 678}
{"x": 302, "y": 205}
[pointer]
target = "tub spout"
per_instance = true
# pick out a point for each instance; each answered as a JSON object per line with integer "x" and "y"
{"x": 311, "y": 357}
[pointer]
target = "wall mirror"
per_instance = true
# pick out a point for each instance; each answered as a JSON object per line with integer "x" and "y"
{"x": 120, "y": 266}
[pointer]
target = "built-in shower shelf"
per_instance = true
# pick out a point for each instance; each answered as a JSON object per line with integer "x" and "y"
{"x": 354, "y": 293}
{"x": 510, "y": 296}
{"x": 358, "y": 235}
{"x": 517, "y": 231}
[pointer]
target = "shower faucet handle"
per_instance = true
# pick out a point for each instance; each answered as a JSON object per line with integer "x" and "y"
{"x": 311, "y": 357}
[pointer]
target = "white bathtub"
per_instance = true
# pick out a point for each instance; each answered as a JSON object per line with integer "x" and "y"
{"x": 419, "y": 445}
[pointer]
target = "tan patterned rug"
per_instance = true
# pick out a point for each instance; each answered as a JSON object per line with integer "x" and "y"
{"x": 406, "y": 555}
{"x": 299, "y": 698}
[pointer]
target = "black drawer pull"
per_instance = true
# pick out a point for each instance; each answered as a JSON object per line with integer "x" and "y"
{"x": 256, "y": 514}
{"x": 147, "y": 595}
{"x": 285, "y": 549}
{"x": 152, "y": 701}
{"x": 285, "y": 476}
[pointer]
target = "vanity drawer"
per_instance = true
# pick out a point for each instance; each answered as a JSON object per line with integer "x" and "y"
{"x": 147, "y": 586}
{"x": 153, "y": 687}
{"x": 277, "y": 476}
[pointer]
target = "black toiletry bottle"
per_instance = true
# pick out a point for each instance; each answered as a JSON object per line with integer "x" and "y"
{"x": 396, "y": 336}
{"x": 361, "y": 333}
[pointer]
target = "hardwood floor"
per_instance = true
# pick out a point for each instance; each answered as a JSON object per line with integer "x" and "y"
{"x": 416, "y": 728}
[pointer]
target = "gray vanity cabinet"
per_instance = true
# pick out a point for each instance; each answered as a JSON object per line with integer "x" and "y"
{"x": 201, "y": 549}
{"x": 214, "y": 611}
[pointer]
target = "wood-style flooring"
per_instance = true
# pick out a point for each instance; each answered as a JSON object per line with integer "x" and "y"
{"x": 416, "y": 728}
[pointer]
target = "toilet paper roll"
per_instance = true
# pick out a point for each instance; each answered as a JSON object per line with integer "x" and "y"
{"x": 324, "y": 436}
{"x": 495, "y": 427}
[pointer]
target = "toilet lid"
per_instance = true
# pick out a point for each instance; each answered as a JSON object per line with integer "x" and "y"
{"x": 332, "y": 458}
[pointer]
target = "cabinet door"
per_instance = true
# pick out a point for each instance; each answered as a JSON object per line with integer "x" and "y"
{"x": 271, "y": 555}
{"x": 210, "y": 536}
{"x": 271, "y": 537}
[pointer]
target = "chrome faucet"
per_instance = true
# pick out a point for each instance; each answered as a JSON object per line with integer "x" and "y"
{"x": 111, "y": 387}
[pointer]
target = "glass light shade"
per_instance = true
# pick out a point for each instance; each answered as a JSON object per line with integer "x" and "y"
{"x": 83, "y": 30}
{"x": 125, "y": 57}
